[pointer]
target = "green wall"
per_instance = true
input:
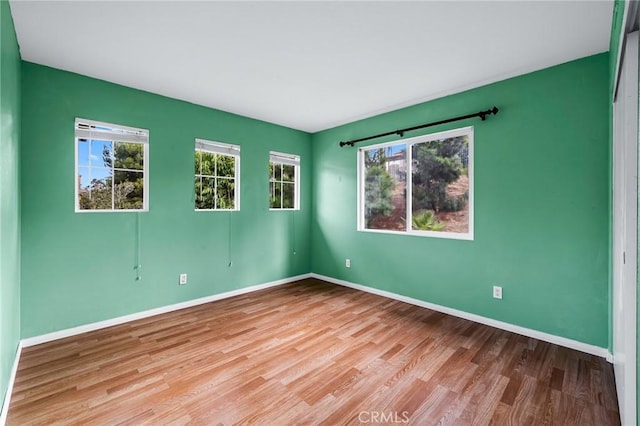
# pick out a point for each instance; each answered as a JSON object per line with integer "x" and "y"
{"x": 9, "y": 196}
{"x": 79, "y": 268}
{"x": 541, "y": 206}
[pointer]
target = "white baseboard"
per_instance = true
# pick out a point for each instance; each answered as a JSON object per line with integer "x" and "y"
{"x": 12, "y": 378}
{"x": 561, "y": 341}
{"x": 31, "y": 341}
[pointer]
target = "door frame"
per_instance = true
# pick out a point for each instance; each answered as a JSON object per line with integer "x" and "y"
{"x": 625, "y": 230}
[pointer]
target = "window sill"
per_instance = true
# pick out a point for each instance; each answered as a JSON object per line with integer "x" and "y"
{"x": 112, "y": 211}
{"x": 444, "y": 235}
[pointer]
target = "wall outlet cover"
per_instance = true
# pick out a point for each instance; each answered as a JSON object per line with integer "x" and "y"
{"x": 497, "y": 292}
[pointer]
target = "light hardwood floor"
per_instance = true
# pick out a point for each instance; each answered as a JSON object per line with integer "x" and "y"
{"x": 309, "y": 353}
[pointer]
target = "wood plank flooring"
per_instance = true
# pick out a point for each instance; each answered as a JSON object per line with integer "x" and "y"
{"x": 309, "y": 353}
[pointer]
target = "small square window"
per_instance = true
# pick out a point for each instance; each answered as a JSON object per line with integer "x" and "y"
{"x": 111, "y": 167}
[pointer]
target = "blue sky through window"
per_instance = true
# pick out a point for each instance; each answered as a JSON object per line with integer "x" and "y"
{"x": 394, "y": 149}
{"x": 388, "y": 150}
{"x": 90, "y": 160}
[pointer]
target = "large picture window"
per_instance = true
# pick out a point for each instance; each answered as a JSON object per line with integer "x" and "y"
{"x": 284, "y": 181}
{"x": 111, "y": 167}
{"x": 217, "y": 172}
{"x": 419, "y": 186}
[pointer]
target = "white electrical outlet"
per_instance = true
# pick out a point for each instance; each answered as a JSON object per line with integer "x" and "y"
{"x": 183, "y": 279}
{"x": 497, "y": 292}
{"x": 347, "y": 263}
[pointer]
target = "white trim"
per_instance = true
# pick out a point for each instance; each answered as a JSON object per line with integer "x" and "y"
{"x": 32, "y": 341}
{"x": 104, "y": 135}
{"x": 145, "y": 177}
{"x": 431, "y": 234}
{"x": 12, "y": 378}
{"x": 137, "y": 134}
{"x": 557, "y": 340}
{"x": 623, "y": 30}
{"x": 280, "y": 157}
{"x": 360, "y": 188}
{"x": 408, "y": 190}
{"x": 217, "y": 147}
{"x": 625, "y": 231}
{"x": 36, "y": 340}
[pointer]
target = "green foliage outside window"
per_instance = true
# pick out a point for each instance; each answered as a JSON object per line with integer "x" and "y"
{"x": 379, "y": 186}
{"x": 282, "y": 186}
{"x": 437, "y": 164}
{"x": 427, "y": 221}
{"x": 439, "y": 185}
{"x": 214, "y": 181}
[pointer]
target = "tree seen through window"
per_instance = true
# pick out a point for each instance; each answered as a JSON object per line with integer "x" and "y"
{"x": 215, "y": 181}
{"x": 110, "y": 175}
{"x": 419, "y": 185}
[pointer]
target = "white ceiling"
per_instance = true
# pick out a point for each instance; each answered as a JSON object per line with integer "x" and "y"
{"x": 308, "y": 65}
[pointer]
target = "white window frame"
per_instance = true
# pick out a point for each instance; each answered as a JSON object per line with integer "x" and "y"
{"x": 291, "y": 160}
{"x": 227, "y": 149}
{"x": 88, "y": 129}
{"x": 409, "y": 185}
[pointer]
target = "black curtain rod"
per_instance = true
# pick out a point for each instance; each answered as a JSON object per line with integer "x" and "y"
{"x": 481, "y": 114}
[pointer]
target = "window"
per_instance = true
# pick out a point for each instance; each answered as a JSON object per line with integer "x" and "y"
{"x": 217, "y": 167}
{"x": 111, "y": 167}
{"x": 284, "y": 181}
{"x": 419, "y": 186}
